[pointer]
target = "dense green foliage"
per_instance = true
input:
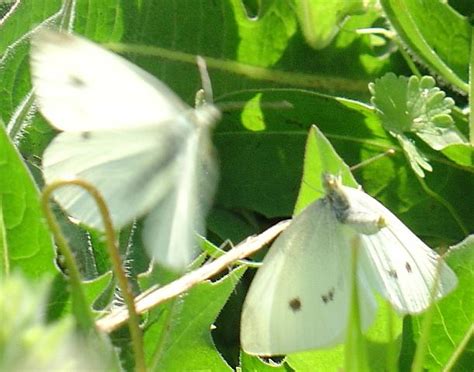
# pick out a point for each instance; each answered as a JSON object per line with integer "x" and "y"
{"x": 288, "y": 65}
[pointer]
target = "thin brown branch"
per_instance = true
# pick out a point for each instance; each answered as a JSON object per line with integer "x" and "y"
{"x": 145, "y": 302}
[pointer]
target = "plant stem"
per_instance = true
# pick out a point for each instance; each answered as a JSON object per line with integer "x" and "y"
{"x": 155, "y": 297}
{"x": 134, "y": 320}
{"x": 81, "y": 309}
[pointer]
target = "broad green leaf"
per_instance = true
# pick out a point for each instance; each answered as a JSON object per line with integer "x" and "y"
{"x": 269, "y": 162}
{"x": 453, "y": 316}
{"x": 178, "y": 336}
{"x": 461, "y": 154}
{"x": 60, "y": 304}
{"x": 418, "y": 106}
{"x": 14, "y": 75}
{"x": 231, "y": 225}
{"x": 29, "y": 342}
{"x": 263, "y": 41}
{"x": 320, "y": 157}
{"x": 320, "y": 21}
{"x": 253, "y": 363}
{"x": 26, "y": 243}
{"x": 422, "y": 26}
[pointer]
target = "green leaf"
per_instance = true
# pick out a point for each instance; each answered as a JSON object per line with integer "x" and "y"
{"x": 263, "y": 42}
{"x": 320, "y": 157}
{"x": 422, "y": 26}
{"x": 230, "y": 225}
{"x": 261, "y": 153}
{"x": 416, "y": 158}
{"x": 179, "y": 334}
{"x": 320, "y": 21}
{"x": 461, "y": 154}
{"x": 416, "y": 105}
{"x": 60, "y": 302}
{"x": 453, "y": 315}
{"x": 254, "y": 363}
{"x": 26, "y": 243}
{"x": 269, "y": 162}
{"x": 28, "y": 342}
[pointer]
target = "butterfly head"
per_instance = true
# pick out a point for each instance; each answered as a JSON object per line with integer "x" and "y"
{"x": 331, "y": 182}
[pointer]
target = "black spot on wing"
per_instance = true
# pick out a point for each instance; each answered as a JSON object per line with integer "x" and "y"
{"x": 295, "y": 304}
{"x": 393, "y": 273}
{"x": 76, "y": 81}
{"x": 329, "y": 296}
{"x": 86, "y": 135}
{"x": 408, "y": 267}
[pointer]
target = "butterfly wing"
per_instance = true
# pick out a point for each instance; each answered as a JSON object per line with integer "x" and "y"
{"x": 299, "y": 298}
{"x": 403, "y": 268}
{"x": 80, "y": 87}
{"x": 171, "y": 228}
{"x": 131, "y": 169}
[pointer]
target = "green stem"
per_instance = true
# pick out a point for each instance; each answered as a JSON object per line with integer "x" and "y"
{"x": 81, "y": 309}
{"x": 355, "y": 348}
{"x": 252, "y": 72}
{"x": 443, "y": 202}
{"x": 4, "y": 253}
{"x": 392, "y": 360}
{"x": 16, "y": 124}
{"x": 422, "y": 344}
{"x": 134, "y": 320}
{"x": 408, "y": 60}
{"x": 458, "y": 351}
{"x": 471, "y": 90}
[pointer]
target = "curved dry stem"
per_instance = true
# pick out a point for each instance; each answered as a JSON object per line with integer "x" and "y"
{"x": 134, "y": 320}
{"x": 81, "y": 310}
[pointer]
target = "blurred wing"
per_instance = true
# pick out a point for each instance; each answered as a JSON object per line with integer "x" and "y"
{"x": 402, "y": 268}
{"x": 171, "y": 228}
{"x": 132, "y": 169}
{"x": 299, "y": 298}
{"x": 80, "y": 86}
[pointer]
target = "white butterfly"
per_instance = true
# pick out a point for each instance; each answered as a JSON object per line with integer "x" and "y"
{"x": 300, "y": 297}
{"x": 128, "y": 134}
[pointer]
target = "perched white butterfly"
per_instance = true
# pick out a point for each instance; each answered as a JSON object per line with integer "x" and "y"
{"x": 129, "y": 135}
{"x": 300, "y": 297}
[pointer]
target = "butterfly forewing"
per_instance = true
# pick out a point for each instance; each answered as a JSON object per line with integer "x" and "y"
{"x": 79, "y": 86}
{"x": 299, "y": 299}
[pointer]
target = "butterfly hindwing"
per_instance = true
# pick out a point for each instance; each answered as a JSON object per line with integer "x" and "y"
{"x": 130, "y": 174}
{"x": 403, "y": 268}
{"x": 171, "y": 228}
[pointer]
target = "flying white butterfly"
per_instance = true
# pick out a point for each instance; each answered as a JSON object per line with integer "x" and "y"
{"x": 300, "y": 297}
{"x": 128, "y": 134}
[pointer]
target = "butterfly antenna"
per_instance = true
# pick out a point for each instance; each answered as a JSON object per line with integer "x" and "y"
{"x": 205, "y": 80}
{"x": 389, "y": 152}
